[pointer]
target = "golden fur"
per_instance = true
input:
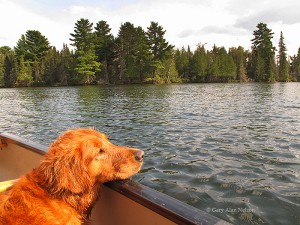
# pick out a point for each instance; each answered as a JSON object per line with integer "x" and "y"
{"x": 63, "y": 189}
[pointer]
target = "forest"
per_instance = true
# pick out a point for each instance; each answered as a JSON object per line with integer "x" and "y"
{"x": 137, "y": 56}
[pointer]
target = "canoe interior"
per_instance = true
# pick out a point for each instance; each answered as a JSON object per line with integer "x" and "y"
{"x": 121, "y": 203}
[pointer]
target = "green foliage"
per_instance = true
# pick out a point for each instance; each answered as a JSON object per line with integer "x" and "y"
{"x": 283, "y": 66}
{"x": 159, "y": 47}
{"x": 295, "y": 67}
{"x": 239, "y": 56}
{"x": 165, "y": 72}
{"x": 182, "y": 61}
{"x": 30, "y": 51}
{"x": 10, "y": 69}
{"x": 85, "y": 56}
{"x": 33, "y": 46}
{"x": 132, "y": 54}
{"x": 263, "y": 54}
{"x": 2, "y": 57}
{"x": 104, "y": 43}
{"x": 138, "y": 56}
{"x": 24, "y": 76}
{"x": 4, "y": 50}
{"x": 86, "y": 66}
{"x": 199, "y": 65}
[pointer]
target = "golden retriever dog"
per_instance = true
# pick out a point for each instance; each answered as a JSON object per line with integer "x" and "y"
{"x": 64, "y": 187}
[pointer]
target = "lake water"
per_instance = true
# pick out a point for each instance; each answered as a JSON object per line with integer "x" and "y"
{"x": 232, "y": 150}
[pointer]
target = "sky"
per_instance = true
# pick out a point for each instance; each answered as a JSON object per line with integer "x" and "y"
{"x": 225, "y": 23}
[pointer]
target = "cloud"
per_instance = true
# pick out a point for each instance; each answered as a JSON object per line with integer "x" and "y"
{"x": 75, "y": 10}
{"x": 250, "y": 13}
{"x": 222, "y": 22}
{"x": 287, "y": 16}
{"x": 186, "y": 33}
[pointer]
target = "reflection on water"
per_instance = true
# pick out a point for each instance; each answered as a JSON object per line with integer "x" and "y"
{"x": 229, "y": 149}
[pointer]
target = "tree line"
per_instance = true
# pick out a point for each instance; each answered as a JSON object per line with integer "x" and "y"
{"x": 136, "y": 55}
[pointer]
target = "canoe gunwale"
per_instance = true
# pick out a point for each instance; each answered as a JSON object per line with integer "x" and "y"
{"x": 168, "y": 207}
{"x": 30, "y": 145}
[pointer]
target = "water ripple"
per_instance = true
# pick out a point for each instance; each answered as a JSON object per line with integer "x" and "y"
{"x": 231, "y": 148}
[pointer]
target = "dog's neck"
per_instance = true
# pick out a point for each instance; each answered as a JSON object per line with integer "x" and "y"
{"x": 82, "y": 202}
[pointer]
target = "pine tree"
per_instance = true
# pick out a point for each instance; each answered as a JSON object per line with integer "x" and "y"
{"x": 104, "y": 42}
{"x": 21, "y": 48}
{"x": 52, "y": 60}
{"x": 37, "y": 45}
{"x": 142, "y": 55}
{"x": 24, "y": 76}
{"x": 159, "y": 47}
{"x": 182, "y": 63}
{"x": 33, "y": 47}
{"x": 166, "y": 71}
{"x": 295, "y": 67}
{"x": 65, "y": 66}
{"x": 86, "y": 59}
{"x": 2, "y": 57}
{"x": 283, "y": 66}
{"x": 239, "y": 56}
{"x": 263, "y": 50}
{"x": 124, "y": 47}
{"x": 10, "y": 69}
{"x": 3, "y": 51}
{"x": 199, "y": 65}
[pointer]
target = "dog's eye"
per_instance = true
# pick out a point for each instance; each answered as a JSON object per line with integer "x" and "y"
{"x": 101, "y": 151}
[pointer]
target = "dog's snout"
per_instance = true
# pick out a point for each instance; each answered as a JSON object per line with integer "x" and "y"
{"x": 139, "y": 156}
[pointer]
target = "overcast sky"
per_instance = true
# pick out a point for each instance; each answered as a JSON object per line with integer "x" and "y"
{"x": 228, "y": 23}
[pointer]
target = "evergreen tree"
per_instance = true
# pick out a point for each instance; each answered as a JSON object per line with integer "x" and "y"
{"x": 239, "y": 55}
{"x": 5, "y": 49}
{"x": 263, "y": 53}
{"x": 37, "y": 45}
{"x": 33, "y": 47}
{"x": 21, "y": 47}
{"x": 51, "y": 63}
{"x": 199, "y": 65}
{"x": 159, "y": 47}
{"x": 142, "y": 55}
{"x": 295, "y": 67}
{"x": 183, "y": 61}
{"x": 86, "y": 59}
{"x": 65, "y": 66}
{"x": 2, "y": 57}
{"x": 124, "y": 48}
{"x": 283, "y": 66}
{"x": 24, "y": 75}
{"x": 10, "y": 69}
{"x": 166, "y": 72}
{"x": 259, "y": 68}
{"x": 104, "y": 42}
{"x": 213, "y": 69}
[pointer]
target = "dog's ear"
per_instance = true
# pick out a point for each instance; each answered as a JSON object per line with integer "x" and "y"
{"x": 71, "y": 174}
{"x": 59, "y": 174}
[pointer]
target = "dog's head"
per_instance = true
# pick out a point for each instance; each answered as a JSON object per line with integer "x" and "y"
{"x": 82, "y": 157}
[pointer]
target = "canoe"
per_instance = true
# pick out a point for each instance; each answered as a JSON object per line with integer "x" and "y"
{"x": 121, "y": 203}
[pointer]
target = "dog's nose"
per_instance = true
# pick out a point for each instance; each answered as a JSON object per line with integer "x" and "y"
{"x": 139, "y": 156}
